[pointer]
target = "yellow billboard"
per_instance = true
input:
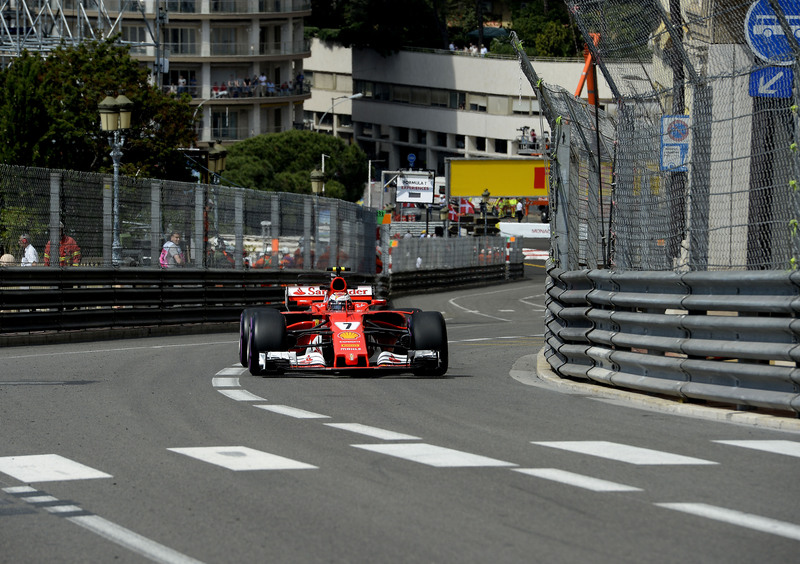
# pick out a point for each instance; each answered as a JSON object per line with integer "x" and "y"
{"x": 504, "y": 178}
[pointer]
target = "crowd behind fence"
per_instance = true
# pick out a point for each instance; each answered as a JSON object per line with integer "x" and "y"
{"x": 220, "y": 226}
{"x": 693, "y": 164}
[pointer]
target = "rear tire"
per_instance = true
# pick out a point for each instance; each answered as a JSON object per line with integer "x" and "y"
{"x": 267, "y": 334}
{"x": 429, "y": 332}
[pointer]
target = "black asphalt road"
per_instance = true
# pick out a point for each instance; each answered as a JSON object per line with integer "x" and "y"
{"x": 165, "y": 450}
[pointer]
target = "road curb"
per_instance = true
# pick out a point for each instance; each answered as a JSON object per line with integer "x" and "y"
{"x": 533, "y": 369}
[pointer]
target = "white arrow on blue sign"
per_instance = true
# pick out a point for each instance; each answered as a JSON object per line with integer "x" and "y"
{"x": 764, "y": 33}
{"x": 771, "y": 82}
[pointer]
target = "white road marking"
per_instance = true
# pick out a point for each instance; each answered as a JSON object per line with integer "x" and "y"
{"x": 34, "y": 499}
{"x": 105, "y": 528}
{"x": 240, "y": 458}
{"x": 241, "y": 395}
{"x": 47, "y": 468}
{"x": 739, "y": 518}
{"x": 292, "y": 411}
{"x": 373, "y": 431}
{"x": 789, "y": 448}
{"x": 232, "y": 371}
{"x": 130, "y": 540}
{"x": 624, "y": 453}
{"x": 225, "y": 382}
{"x": 63, "y": 509}
{"x": 431, "y": 455}
{"x": 578, "y": 480}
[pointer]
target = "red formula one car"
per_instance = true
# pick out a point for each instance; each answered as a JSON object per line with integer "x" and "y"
{"x": 336, "y": 328}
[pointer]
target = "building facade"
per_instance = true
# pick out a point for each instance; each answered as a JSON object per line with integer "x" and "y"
{"x": 240, "y": 60}
{"x": 434, "y": 105}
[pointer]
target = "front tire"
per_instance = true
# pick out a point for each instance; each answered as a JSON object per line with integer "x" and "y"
{"x": 429, "y": 332}
{"x": 267, "y": 334}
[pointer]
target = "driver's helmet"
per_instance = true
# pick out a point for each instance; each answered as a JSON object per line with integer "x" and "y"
{"x": 340, "y": 301}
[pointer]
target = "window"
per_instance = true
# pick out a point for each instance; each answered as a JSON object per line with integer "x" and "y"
{"x": 480, "y": 143}
{"x": 181, "y": 40}
{"x": 401, "y": 94}
{"x": 499, "y": 105}
{"x": 476, "y": 103}
{"x": 224, "y": 41}
{"x": 441, "y": 139}
{"x": 323, "y": 81}
{"x": 421, "y": 96}
{"x": 135, "y": 35}
{"x": 440, "y": 98}
{"x": 501, "y": 146}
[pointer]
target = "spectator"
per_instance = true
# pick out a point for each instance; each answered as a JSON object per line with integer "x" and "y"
{"x": 69, "y": 253}
{"x": 171, "y": 254}
{"x": 262, "y": 85}
{"x": 29, "y": 255}
{"x": 7, "y": 260}
{"x": 298, "y": 82}
{"x": 520, "y": 213}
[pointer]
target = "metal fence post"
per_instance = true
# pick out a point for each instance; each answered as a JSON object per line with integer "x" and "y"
{"x": 107, "y": 220}
{"x": 155, "y": 222}
{"x": 55, "y": 219}
{"x": 199, "y": 243}
{"x": 238, "y": 220}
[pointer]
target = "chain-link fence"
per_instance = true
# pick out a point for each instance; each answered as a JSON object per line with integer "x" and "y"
{"x": 219, "y": 226}
{"x": 693, "y": 165}
{"x": 432, "y": 253}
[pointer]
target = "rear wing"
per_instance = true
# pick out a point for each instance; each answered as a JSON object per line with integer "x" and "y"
{"x": 307, "y": 295}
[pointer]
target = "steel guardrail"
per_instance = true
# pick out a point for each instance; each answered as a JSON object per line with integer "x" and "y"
{"x": 731, "y": 337}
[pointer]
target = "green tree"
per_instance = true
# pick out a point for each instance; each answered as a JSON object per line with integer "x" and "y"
{"x": 282, "y": 162}
{"x": 48, "y": 107}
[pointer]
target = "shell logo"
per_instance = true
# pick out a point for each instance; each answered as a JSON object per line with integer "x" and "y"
{"x": 348, "y": 335}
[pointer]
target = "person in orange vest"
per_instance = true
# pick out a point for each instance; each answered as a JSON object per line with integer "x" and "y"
{"x": 69, "y": 253}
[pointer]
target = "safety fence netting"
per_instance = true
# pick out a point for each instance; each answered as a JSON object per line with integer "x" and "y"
{"x": 125, "y": 224}
{"x": 688, "y": 160}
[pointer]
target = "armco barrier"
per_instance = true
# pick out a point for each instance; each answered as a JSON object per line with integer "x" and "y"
{"x": 59, "y": 300}
{"x": 729, "y": 337}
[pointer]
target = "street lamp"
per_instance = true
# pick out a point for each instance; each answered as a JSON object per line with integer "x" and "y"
{"x": 115, "y": 117}
{"x": 330, "y": 110}
{"x": 317, "y": 181}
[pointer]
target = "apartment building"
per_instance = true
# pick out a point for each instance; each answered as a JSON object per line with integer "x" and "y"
{"x": 432, "y": 104}
{"x": 216, "y": 50}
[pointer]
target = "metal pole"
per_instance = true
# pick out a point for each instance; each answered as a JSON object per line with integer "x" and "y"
{"x": 116, "y": 155}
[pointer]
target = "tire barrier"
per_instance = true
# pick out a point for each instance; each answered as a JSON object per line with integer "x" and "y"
{"x": 728, "y": 337}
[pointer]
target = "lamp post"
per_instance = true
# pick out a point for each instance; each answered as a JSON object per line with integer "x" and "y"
{"x": 115, "y": 117}
{"x": 334, "y": 103}
{"x": 317, "y": 186}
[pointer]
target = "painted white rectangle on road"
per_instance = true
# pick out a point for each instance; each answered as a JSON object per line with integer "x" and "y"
{"x": 624, "y": 453}
{"x": 431, "y": 455}
{"x": 234, "y": 371}
{"x": 240, "y": 458}
{"x": 373, "y": 432}
{"x": 577, "y": 480}
{"x": 47, "y": 468}
{"x": 227, "y": 382}
{"x": 241, "y": 395}
{"x": 748, "y": 520}
{"x": 292, "y": 411}
{"x": 789, "y": 448}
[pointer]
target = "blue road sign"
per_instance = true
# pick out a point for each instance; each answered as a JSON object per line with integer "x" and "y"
{"x": 764, "y": 33}
{"x": 771, "y": 82}
{"x": 411, "y": 158}
{"x": 675, "y": 139}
